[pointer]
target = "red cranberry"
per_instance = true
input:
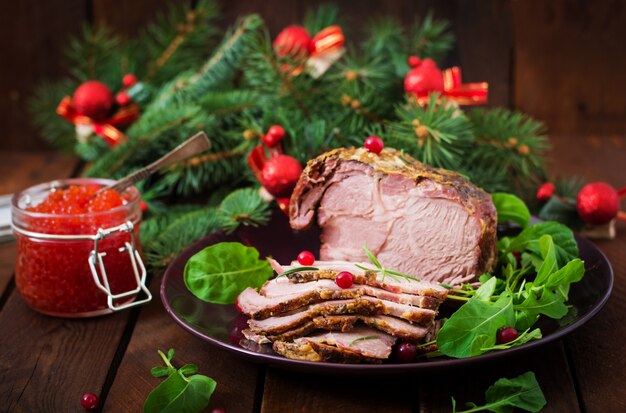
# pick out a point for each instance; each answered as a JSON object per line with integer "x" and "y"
{"x": 374, "y": 144}
{"x": 89, "y": 401}
{"x": 506, "y": 335}
{"x": 413, "y": 61}
{"x": 406, "y": 352}
{"x": 122, "y": 98}
{"x": 306, "y": 258}
{"x": 344, "y": 279}
{"x": 274, "y": 135}
{"x": 129, "y": 79}
{"x": 218, "y": 410}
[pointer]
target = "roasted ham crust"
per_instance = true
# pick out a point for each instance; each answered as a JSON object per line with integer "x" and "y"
{"x": 319, "y": 175}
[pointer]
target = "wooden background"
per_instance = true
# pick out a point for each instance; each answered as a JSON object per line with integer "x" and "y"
{"x": 561, "y": 61}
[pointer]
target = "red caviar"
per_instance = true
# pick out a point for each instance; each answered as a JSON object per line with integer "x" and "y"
{"x": 52, "y": 273}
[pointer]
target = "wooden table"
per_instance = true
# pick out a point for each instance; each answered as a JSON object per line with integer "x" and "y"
{"x": 46, "y": 363}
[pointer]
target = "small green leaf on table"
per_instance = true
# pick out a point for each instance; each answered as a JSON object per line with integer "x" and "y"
{"x": 522, "y": 392}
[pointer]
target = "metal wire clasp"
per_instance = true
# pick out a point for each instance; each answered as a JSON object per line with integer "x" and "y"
{"x": 139, "y": 270}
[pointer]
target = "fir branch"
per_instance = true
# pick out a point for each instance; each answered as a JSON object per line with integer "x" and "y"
{"x": 179, "y": 40}
{"x": 244, "y": 207}
{"x": 91, "y": 57}
{"x": 438, "y": 134}
{"x": 431, "y": 38}
{"x": 42, "y": 107}
{"x": 321, "y": 17}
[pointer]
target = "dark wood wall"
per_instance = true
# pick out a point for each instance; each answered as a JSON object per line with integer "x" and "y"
{"x": 561, "y": 61}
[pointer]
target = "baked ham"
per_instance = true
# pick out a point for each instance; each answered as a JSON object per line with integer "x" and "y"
{"x": 307, "y": 316}
{"x": 430, "y": 223}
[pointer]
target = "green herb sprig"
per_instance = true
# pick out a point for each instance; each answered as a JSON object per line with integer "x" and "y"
{"x": 183, "y": 391}
{"x": 522, "y": 392}
{"x": 393, "y": 274}
{"x": 297, "y": 269}
{"x": 356, "y": 340}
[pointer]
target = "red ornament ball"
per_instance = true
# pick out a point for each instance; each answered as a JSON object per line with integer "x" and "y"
{"x": 280, "y": 175}
{"x": 545, "y": 191}
{"x": 122, "y": 98}
{"x": 93, "y": 99}
{"x": 293, "y": 41}
{"x": 344, "y": 279}
{"x": 374, "y": 144}
{"x": 129, "y": 80}
{"x": 89, "y": 401}
{"x": 306, "y": 258}
{"x": 597, "y": 203}
{"x": 424, "y": 78}
{"x": 506, "y": 335}
{"x": 274, "y": 135}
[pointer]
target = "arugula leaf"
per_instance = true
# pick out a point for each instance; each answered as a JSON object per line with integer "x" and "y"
{"x": 473, "y": 327}
{"x": 572, "y": 272}
{"x": 511, "y": 208}
{"x": 522, "y": 392}
{"x": 179, "y": 393}
{"x": 549, "y": 264}
{"x": 220, "y": 272}
{"x": 486, "y": 290}
{"x": 542, "y": 302}
{"x": 566, "y": 248}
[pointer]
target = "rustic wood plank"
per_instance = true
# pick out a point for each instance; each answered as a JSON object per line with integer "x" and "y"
{"x": 155, "y": 330}
{"x": 36, "y": 35}
{"x": 596, "y": 349}
{"x": 287, "y": 392}
{"x": 568, "y": 64}
{"x": 469, "y": 384}
{"x": 47, "y": 364}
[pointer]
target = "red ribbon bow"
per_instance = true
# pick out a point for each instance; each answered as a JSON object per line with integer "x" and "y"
{"x": 464, "y": 94}
{"x": 108, "y": 128}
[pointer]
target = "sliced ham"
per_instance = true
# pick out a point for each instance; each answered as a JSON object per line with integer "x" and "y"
{"x": 362, "y": 340}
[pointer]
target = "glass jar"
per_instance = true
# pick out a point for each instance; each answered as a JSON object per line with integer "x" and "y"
{"x": 78, "y": 265}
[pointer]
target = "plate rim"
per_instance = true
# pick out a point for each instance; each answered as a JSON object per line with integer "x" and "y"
{"x": 327, "y": 367}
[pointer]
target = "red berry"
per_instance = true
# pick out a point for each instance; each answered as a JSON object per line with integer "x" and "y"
{"x": 122, "y": 98}
{"x": 374, "y": 144}
{"x": 129, "y": 79}
{"x": 89, "y": 401}
{"x": 545, "y": 191}
{"x": 293, "y": 41}
{"x": 276, "y": 131}
{"x": 143, "y": 206}
{"x": 413, "y": 61}
{"x": 406, "y": 352}
{"x": 344, "y": 279}
{"x": 218, "y": 410}
{"x": 506, "y": 335}
{"x": 306, "y": 258}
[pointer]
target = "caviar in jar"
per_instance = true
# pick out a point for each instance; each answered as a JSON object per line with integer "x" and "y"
{"x": 56, "y": 225}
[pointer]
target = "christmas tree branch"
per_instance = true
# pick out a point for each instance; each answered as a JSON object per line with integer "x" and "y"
{"x": 284, "y": 76}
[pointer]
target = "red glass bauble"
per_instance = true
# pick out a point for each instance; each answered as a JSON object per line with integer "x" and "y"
{"x": 93, "y": 99}
{"x": 280, "y": 175}
{"x": 597, "y": 203}
{"x": 294, "y": 41}
{"x": 424, "y": 78}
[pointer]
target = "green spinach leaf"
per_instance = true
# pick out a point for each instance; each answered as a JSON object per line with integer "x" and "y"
{"x": 566, "y": 248}
{"x": 522, "y": 392}
{"x": 511, "y": 208}
{"x": 219, "y": 273}
{"x": 179, "y": 393}
{"x": 473, "y": 327}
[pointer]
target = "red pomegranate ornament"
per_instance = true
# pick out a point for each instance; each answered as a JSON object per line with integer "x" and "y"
{"x": 294, "y": 40}
{"x": 280, "y": 175}
{"x": 93, "y": 99}
{"x": 423, "y": 78}
{"x": 598, "y": 202}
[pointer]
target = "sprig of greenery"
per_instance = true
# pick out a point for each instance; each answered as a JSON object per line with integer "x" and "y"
{"x": 356, "y": 340}
{"x": 521, "y": 392}
{"x": 393, "y": 274}
{"x": 296, "y": 270}
{"x": 183, "y": 390}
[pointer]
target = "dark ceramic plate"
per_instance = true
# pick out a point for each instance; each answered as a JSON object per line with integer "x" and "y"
{"x": 221, "y": 325}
